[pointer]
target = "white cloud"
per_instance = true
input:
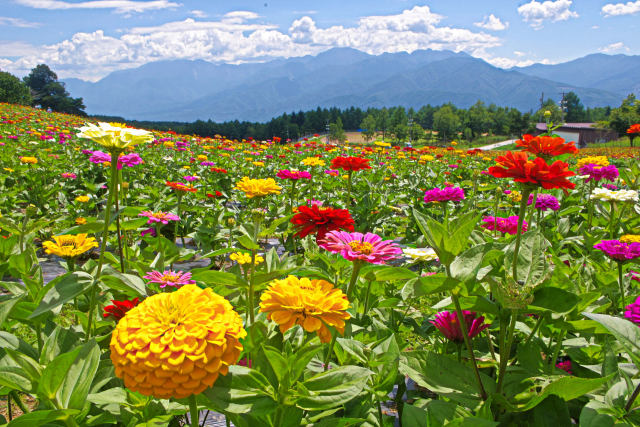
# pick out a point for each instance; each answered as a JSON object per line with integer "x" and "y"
{"x": 617, "y": 9}
{"x": 518, "y": 53}
{"x": 502, "y": 62}
{"x": 198, "y": 13}
{"x": 17, "y": 22}
{"x": 238, "y": 37}
{"x": 120, "y": 6}
{"x": 613, "y": 47}
{"x": 537, "y": 13}
{"x": 492, "y": 23}
{"x": 17, "y": 48}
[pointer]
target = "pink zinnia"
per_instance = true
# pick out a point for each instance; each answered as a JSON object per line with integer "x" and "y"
{"x": 565, "y": 366}
{"x": 632, "y": 312}
{"x": 163, "y": 217}
{"x": 503, "y": 225}
{"x": 69, "y": 175}
{"x": 129, "y": 160}
{"x": 453, "y": 194}
{"x": 293, "y": 174}
{"x": 171, "y": 278}
{"x": 620, "y": 251}
{"x": 598, "y": 173}
{"x": 190, "y": 178}
{"x": 447, "y": 323}
{"x": 544, "y": 202}
{"x": 367, "y": 247}
{"x": 99, "y": 157}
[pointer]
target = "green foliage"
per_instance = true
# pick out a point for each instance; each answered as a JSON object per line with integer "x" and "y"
{"x": 12, "y": 90}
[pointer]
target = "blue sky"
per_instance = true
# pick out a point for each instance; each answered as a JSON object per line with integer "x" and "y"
{"x": 90, "y": 38}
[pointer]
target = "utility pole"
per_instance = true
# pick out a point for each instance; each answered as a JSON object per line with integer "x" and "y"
{"x": 327, "y": 129}
{"x": 542, "y": 101}
{"x": 563, "y": 106}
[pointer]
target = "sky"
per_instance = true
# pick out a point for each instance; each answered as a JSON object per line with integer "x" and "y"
{"x": 88, "y": 39}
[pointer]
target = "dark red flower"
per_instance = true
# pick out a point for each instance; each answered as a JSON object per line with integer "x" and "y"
{"x": 546, "y": 146}
{"x": 218, "y": 170}
{"x": 320, "y": 220}
{"x": 216, "y": 194}
{"x": 537, "y": 172}
{"x": 119, "y": 308}
{"x": 350, "y": 163}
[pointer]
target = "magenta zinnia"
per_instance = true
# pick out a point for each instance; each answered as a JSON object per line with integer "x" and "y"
{"x": 171, "y": 278}
{"x": 367, "y": 247}
{"x": 293, "y": 174}
{"x": 159, "y": 217}
{"x": 447, "y": 194}
{"x": 447, "y": 323}
{"x": 633, "y": 312}
{"x": 619, "y": 251}
{"x": 504, "y": 225}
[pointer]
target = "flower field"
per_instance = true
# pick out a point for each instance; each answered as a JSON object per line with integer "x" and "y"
{"x": 148, "y": 278}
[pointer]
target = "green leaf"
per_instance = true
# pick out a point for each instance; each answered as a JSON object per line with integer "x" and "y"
{"x": 428, "y": 285}
{"x": 215, "y": 277}
{"x": 54, "y": 374}
{"x": 627, "y": 333}
{"x": 467, "y": 264}
{"x": 555, "y": 299}
{"x": 72, "y": 285}
{"x": 128, "y": 284}
{"x": 15, "y": 378}
{"x": 6, "y": 305}
{"x": 445, "y": 376}
{"x": 247, "y": 242}
{"x": 75, "y": 387}
{"x": 8, "y": 340}
{"x": 390, "y": 274}
{"x": 41, "y": 418}
{"x": 533, "y": 267}
{"x": 278, "y": 363}
{"x": 332, "y": 388}
{"x": 460, "y": 230}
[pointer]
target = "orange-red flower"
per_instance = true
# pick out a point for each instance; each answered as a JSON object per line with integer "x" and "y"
{"x": 320, "y": 220}
{"x": 634, "y": 129}
{"x": 546, "y": 146}
{"x": 537, "y": 172}
{"x": 350, "y": 163}
{"x": 178, "y": 186}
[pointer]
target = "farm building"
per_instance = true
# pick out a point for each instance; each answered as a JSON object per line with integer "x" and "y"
{"x": 581, "y": 133}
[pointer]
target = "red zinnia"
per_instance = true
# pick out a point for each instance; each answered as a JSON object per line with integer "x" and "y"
{"x": 546, "y": 146}
{"x": 537, "y": 172}
{"x": 634, "y": 129}
{"x": 119, "y": 308}
{"x": 350, "y": 163}
{"x": 216, "y": 194}
{"x": 181, "y": 187}
{"x": 320, "y": 220}
{"x": 218, "y": 170}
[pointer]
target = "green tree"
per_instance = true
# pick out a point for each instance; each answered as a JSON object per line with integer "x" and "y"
{"x": 368, "y": 127}
{"x": 382, "y": 121}
{"x": 446, "y": 121}
{"x": 336, "y": 132}
{"x": 48, "y": 92}
{"x": 551, "y": 106}
{"x": 12, "y": 90}
{"x": 574, "y": 108}
{"x": 623, "y": 117}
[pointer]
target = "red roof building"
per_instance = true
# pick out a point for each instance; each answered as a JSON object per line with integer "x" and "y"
{"x": 581, "y": 133}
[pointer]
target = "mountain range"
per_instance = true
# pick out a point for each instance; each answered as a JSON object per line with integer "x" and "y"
{"x": 183, "y": 90}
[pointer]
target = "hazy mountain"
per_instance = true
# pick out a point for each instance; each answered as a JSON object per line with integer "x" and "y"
{"x": 342, "y": 77}
{"x": 619, "y": 74}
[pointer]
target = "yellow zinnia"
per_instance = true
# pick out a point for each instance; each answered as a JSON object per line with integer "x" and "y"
{"x": 630, "y": 238}
{"x": 313, "y": 304}
{"x": 258, "y": 187}
{"x": 29, "y": 160}
{"x": 313, "y": 161}
{"x": 82, "y": 199}
{"x": 244, "y": 258}
{"x": 114, "y": 137}
{"x": 176, "y": 344}
{"x": 69, "y": 246}
{"x": 594, "y": 160}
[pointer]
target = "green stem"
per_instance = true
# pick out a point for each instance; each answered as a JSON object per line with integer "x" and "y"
{"x": 118, "y": 232}
{"x": 467, "y": 342}
{"x": 523, "y": 207}
{"x": 327, "y": 357}
{"x": 591, "y": 202}
{"x": 556, "y": 351}
{"x": 632, "y": 399}
{"x": 349, "y": 190}
{"x": 493, "y": 353}
{"x": 612, "y": 221}
{"x": 621, "y": 283}
{"x": 366, "y": 299}
{"x": 504, "y": 352}
{"x": 535, "y": 329}
{"x": 354, "y": 277}
{"x": 250, "y": 309}
{"x": 193, "y": 411}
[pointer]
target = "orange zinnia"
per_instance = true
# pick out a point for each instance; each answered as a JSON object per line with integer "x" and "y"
{"x": 537, "y": 172}
{"x": 546, "y": 146}
{"x": 634, "y": 129}
{"x": 181, "y": 187}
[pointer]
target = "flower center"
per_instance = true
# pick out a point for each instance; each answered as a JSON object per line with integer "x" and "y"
{"x": 168, "y": 277}
{"x": 69, "y": 242}
{"x": 362, "y": 247}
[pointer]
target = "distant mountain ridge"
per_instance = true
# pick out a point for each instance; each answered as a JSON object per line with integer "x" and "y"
{"x": 185, "y": 90}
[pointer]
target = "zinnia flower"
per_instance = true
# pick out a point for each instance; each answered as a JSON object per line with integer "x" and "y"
{"x": 565, "y": 366}
{"x": 546, "y": 146}
{"x": 28, "y": 160}
{"x": 614, "y": 196}
{"x": 421, "y": 254}
{"x": 82, "y": 199}
{"x": 171, "y": 278}
{"x": 319, "y": 220}
{"x": 447, "y": 194}
{"x": 119, "y": 308}
{"x": 176, "y": 344}
{"x": 593, "y": 160}
{"x": 598, "y": 173}
{"x": 544, "y": 202}
{"x": 293, "y": 174}
{"x": 159, "y": 217}
{"x": 179, "y": 186}
{"x": 634, "y": 129}
{"x": 69, "y": 175}
{"x": 245, "y": 258}
{"x": 129, "y": 160}
{"x": 447, "y": 323}
{"x": 350, "y": 163}
{"x": 258, "y": 187}
{"x": 312, "y": 304}
{"x": 114, "y": 137}
{"x": 69, "y": 246}
{"x": 313, "y": 161}
{"x": 630, "y": 238}
{"x": 537, "y": 172}
{"x": 633, "y": 311}
{"x": 618, "y": 250}
{"x": 504, "y": 225}
{"x": 367, "y": 247}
